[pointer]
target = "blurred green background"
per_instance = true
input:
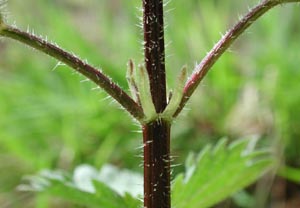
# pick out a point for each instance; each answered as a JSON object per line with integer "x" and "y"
{"x": 51, "y": 118}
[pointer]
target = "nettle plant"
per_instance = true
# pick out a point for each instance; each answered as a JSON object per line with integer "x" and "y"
{"x": 211, "y": 176}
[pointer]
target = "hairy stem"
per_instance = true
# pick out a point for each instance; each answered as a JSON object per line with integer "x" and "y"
{"x": 157, "y": 164}
{"x": 74, "y": 62}
{"x": 154, "y": 50}
{"x": 156, "y": 134}
{"x": 224, "y": 43}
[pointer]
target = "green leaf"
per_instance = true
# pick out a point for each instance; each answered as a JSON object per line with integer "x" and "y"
{"x": 59, "y": 184}
{"x": 219, "y": 172}
{"x": 290, "y": 173}
{"x": 132, "y": 202}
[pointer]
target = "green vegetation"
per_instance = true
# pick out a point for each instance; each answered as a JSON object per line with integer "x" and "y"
{"x": 51, "y": 119}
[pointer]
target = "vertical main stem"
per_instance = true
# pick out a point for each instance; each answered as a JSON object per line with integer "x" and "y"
{"x": 154, "y": 50}
{"x": 156, "y": 134}
{"x": 157, "y": 165}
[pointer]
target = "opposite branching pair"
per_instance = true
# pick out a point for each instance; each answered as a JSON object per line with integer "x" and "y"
{"x": 139, "y": 85}
{"x": 113, "y": 89}
{"x": 153, "y": 109}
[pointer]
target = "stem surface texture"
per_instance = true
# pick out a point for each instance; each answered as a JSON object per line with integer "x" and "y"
{"x": 156, "y": 134}
{"x": 157, "y": 165}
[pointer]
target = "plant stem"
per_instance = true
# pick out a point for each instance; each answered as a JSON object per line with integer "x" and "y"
{"x": 157, "y": 165}
{"x": 224, "y": 43}
{"x": 154, "y": 50}
{"x": 74, "y": 62}
{"x": 156, "y": 134}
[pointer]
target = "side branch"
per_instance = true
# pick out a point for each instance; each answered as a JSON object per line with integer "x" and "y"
{"x": 74, "y": 62}
{"x": 224, "y": 43}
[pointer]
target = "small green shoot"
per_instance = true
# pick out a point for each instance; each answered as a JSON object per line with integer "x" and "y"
{"x": 176, "y": 96}
{"x": 130, "y": 76}
{"x": 143, "y": 85}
